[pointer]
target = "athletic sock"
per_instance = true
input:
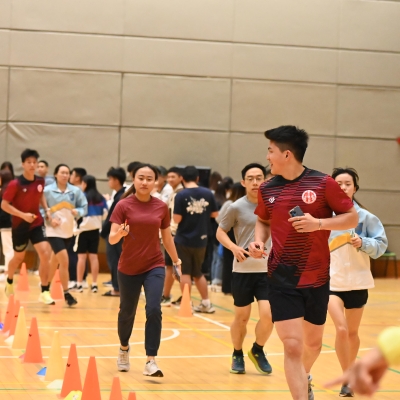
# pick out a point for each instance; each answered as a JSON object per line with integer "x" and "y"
{"x": 257, "y": 348}
{"x": 206, "y": 302}
{"x": 10, "y": 281}
{"x": 124, "y": 350}
{"x": 238, "y": 353}
{"x": 45, "y": 288}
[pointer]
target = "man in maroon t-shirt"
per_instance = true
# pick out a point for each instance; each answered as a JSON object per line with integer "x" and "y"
{"x": 22, "y": 199}
{"x": 298, "y": 265}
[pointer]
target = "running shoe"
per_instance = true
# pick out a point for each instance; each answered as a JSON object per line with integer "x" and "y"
{"x": 204, "y": 309}
{"x": 79, "y": 289}
{"x": 94, "y": 288}
{"x": 345, "y": 391}
{"x": 72, "y": 285}
{"x": 71, "y": 301}
{"x": 107, "y": 284}
{"x": 123, "y": 360}
{"x": 85, "y": 285}
{"x": 46, "y": 298}
{"x": 237, "y": 366}
{"x": 177, "y": 302}
{"x": 260, "y": 362}
{"x": 310, "y": 390}
{"x": 9, "y": 289}
{"x": 151, "y": 369}
{"x": 166, "y": 301}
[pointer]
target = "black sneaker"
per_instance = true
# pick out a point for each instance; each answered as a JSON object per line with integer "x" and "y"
{"x": 94, "y": 288}
{"x": 260, "y": 362}
{"x": 237, "y": 366}
{"x": 345, "y": 391}
{"x": 71, "y": 301}
{"x": 177, "y": 302}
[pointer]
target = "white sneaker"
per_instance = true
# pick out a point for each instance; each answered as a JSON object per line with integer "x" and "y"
{"x": 46, "y": 298}
{"x": 204, "y": 309}
{"x": 71, "y": 284}
{"x": 123, "y": 360}
{"x": 85, "y": 285}
{"x": 151, "y": 369}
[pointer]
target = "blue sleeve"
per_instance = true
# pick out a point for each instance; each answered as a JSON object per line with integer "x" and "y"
{"x": 178, "y": 205}
{"x": 81, "y": 204}
{"x": 375, "y": 242}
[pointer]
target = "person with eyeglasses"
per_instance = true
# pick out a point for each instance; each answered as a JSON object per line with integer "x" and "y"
{"x": 249, "y": 277}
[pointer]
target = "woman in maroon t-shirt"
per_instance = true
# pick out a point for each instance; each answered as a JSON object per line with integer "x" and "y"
{"x": 138, "y": 219}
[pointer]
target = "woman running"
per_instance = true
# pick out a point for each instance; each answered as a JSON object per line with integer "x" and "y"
{"x": 350, "y": 272}
{"x": 138, "y": 218}
{"x": 66, "y": 203}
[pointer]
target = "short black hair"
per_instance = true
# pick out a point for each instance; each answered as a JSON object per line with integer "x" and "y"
{"x": 190, "y": 173}
{"x": 175, "y": 170}
{"x": 254, "y": 165}
{"x": 132, "y": 165}
{"x": 289, "y": 137}
{"x": 117, "y": 173}
{"x": 81, "y": 172}
{"x": 146, "y": 165}
{"x": 29, "y": 153}
{"x": 162, "y": 170}
{"x": 44, "y": 162}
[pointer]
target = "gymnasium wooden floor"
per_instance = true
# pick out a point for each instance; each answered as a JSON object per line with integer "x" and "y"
{"x": 194, "y": 355}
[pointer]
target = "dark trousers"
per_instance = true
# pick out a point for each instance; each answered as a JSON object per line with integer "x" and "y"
{"x": 73, "y": 261}
{"x": 129, "y": 288}
{"x": 113, "y": 252}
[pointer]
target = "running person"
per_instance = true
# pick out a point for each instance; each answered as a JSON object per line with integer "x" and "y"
{"x": 298, "y": 264}
{"x": 67, "y": 203}
{"x": 138, "y": 218}
{"x": 22, "y": 199}
{"x": 249, "y": 278}
{"x": 350, "y": 273}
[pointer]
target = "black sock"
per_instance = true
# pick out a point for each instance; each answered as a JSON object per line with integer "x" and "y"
{"x": 238, "y": 353}
{"x": 45, "y": 288}
{"x": 10, "y": 281}
{"x": 257, "y": 348}
{"x": 123, "y": 349}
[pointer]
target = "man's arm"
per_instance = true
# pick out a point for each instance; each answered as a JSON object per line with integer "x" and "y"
{"x": 214, "y": 214}
{"x": 262, "y": 232}
{"x": 9, "y": 209}
{"x": 177, "y": 218}
{"x": 237, "y": 251}
{"x": 43, "y": 203}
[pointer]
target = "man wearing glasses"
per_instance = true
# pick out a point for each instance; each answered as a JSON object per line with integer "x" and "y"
{"x": 249, "y": 278}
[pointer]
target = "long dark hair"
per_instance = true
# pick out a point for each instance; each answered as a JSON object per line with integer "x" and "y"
{"x": 353, "y": 173}
{"x": 92, "y": 194}
{"x": 8, "y": 166}
{"x": 132, "y": 189}
{"x": 215, "y": 179}
{"x": 6, "y": 177}
{"x": 237, "y": 191}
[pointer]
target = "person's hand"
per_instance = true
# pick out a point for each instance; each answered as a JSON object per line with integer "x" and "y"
{"x": 178, "y": 270}
{"x": 256, "y": 249}
{"x": 356, "y": 241}
{"x": 239, "y": 253}
{"x": 365, "y": 374}
{"x": 55, "y": 222}
{"x": 28, "y": 217}
{"x": 305, "y": 223}
{"x": 123, "y": 230}
{"x": 75, "y": 212}
{"x": 107, "y": 196}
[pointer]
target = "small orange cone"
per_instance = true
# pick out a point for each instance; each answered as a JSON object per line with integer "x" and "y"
{"x": 116, "y": 393}
{"x": 72, "y": 377}
{"x": 185, "y": 309}
{"x": 33, "y": 352}
{"x": 23, "y": 283}
{"x": 9, "y": 314}
{"x": 91, "y": 387}
{"x": 21, "y": 334}
{"x": 132, "y": 396}
{"x": 56, "y": 289}
{"x": 55, "y": 365}
{"x": 14, "y": 318}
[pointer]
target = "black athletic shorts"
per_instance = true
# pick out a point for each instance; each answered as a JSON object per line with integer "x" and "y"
{"x": 247, "y": 286}
{"x": 167, "y": 259}
{"x": 310, "y": 303}
{"x": 21, "y": 238}
{"x": 58, "y": 244}
{"x": 88, "y": 242}
{"x": 192, "y": 259}
{"x": 352, "y": 298}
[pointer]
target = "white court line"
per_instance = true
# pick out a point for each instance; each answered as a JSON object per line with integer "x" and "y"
{"x": 115, "y": 328}
{"x": 212, "y": 321}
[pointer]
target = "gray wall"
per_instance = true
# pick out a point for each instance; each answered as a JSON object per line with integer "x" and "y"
{"x": 100, "y": 83}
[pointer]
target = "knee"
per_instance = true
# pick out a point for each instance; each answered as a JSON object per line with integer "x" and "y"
{"x": 353, "y": 335}
{"x": 153, "y": 311}
{"x": 342, "y": 332}
{"x": 241, "y": 321}
{"x": 293, "y": 348}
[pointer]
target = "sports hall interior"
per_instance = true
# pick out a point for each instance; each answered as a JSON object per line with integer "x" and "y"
{"x": 101, "y": 83}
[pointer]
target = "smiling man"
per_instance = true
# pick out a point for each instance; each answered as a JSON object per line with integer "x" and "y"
{"x": 298, "y": 265}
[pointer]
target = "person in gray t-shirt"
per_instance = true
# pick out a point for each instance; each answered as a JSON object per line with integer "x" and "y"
{"x": 249, "y": 278}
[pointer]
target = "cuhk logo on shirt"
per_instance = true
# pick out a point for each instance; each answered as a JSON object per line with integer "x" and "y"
{"x": 309, "y": 197}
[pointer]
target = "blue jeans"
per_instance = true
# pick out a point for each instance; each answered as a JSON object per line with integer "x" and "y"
{"x": 129, "y": 288}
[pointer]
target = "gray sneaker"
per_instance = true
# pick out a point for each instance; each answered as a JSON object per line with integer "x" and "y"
{"x": 204, "y": 309}
{"x": 310, "y": 386}
{"x": 123, "y": 360}
{"x": 151, "y": 369}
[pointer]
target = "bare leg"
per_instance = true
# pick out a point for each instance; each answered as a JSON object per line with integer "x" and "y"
{"x": 62, "y": 260}
{"x": 186, "y": 279}
{"x": 238, "y": 326}
{"x": 353, "y": 317}
{"x": 169, "y": 281}
{"x": 15, "y": 262}
{"x": 53, "y": 266}
{"x": 201, "y": 285}
{"x": 94, "y": 266}
{"x": 43, "y": 250}
{"x": 264, "y": 325}
{"x": 312, "y": 344}
{"x": 80, "y": 267}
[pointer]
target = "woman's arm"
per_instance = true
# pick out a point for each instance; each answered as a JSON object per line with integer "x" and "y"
{"x": 375, "y": 243}
{"x": 117, "y": 233}
{"x": 169, "y": 244}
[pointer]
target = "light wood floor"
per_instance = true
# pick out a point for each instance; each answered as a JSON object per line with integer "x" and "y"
{"x": 194, "y": 355}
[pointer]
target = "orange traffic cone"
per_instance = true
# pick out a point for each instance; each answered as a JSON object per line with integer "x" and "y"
{"x": 185, "y": 309}
{"x": 72, "y": 377}
{"x": 20, "y": 335}
{"x": 55, "y": 365}
{"x": 116, "y": 393}
{"x": 33, "y": 352}
{"x": 91, "y": 387}
{"x": 23, "y": 283}
{"x": 14, "y": 318}
{"x": 56, "y": 289}
{"x": 9, "y": 314}
{"x": 132, "y": 396}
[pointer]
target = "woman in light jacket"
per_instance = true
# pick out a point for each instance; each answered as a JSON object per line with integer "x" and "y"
{"x": 350, "y": 273}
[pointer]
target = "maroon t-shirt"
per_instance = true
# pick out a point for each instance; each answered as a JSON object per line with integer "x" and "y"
{"x": 25, "y": 196}
{"x": 141, "y": 248}
{"x": 300, "y": 260}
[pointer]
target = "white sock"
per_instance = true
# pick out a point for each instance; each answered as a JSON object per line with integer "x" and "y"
{"x": 206, "y": 302}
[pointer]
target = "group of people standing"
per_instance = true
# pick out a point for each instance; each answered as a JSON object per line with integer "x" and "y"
{"x": 299, "y": 244}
